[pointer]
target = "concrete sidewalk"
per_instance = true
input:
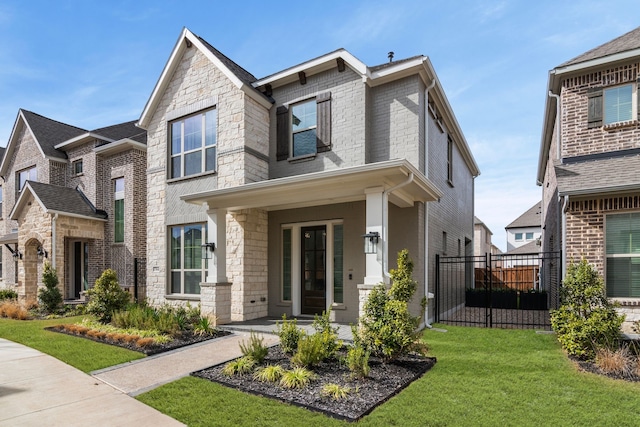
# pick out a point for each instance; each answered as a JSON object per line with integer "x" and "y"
{"x": 146, "y": 374}
{"x": 37, "y": 389}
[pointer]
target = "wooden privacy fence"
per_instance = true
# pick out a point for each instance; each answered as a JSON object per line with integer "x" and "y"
{"x": 520, "y": 278}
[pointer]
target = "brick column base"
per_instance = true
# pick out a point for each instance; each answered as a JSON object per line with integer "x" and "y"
{"x": 215, "y": 298}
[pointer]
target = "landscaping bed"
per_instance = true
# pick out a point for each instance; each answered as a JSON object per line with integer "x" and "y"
{"x": 181, "y": 339}
{"x": 384, "y": 381}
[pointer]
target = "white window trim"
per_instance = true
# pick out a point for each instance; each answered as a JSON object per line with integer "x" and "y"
{"x": 292, "y": 132}
{"x": 203, "y": 148}
{"x": 634, "y": 105}
{"x": 296, "y": 283}
{"x": 606, "y": 256}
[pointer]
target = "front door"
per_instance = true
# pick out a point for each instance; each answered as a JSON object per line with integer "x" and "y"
{"x": 80, "y": 261}
{"x": 314, "y": 284}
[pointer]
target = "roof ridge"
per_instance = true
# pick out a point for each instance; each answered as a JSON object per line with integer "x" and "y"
{"x": 52, "y": 120}
{"x": 219, "y": 54}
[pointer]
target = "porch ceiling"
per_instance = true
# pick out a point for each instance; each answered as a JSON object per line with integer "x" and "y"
{"x": 323, "y": 188}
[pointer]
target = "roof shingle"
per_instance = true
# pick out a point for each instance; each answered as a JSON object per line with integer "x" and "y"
{"x": 65, "y": 199}
{"x": 625, "y": 42}
{"x": 531, "y": 218}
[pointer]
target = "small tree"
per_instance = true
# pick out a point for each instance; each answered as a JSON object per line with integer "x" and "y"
{"x": 387, "y": 329}
{"x": 107, "y": 297}
{"x": 586, "y": 319}
{"x": 50, "y": 296}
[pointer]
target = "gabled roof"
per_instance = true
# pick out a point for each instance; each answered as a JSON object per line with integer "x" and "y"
{"x": 478, "y": 221}
{"x": 531, "y": 218}
{"x": 122, "y": 131}
{"x": 618, "y": 51}
{"x": 56, "y": 199}
{"x": 526, "y": 249}
{"x": 624, "y": 43}
{"x": 600, "y": 175}
{"x": 241, "y": 78}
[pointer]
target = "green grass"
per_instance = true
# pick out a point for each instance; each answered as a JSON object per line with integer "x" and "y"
{"x": 80, "y": 353}
{"x": 484, "y": 377}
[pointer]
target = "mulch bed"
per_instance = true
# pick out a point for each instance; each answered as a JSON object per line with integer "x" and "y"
{"x": 587, "y": 366}
{"x": 183, "y": 339}
{"x": 384, "y": 381}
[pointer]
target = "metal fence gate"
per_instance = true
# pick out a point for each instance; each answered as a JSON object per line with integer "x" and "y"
{"x": 498, "y": 291}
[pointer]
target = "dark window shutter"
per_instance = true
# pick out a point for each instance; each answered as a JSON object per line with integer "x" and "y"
{"x": 595, "y": 108}
{"x": 282, "y": 131}
{"x": 638, "y": 103}
{"x": 323, "y": 126}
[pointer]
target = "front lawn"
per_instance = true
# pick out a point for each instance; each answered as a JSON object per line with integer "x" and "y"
{"x": 78, "y": 352}
{"x": 484, "y": 377}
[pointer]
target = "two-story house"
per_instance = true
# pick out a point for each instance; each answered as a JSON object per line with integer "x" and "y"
{"x": 589, "y": 162}
{"x": 74, "y": 197}
{"x": 293, "y": 193}
{"x": 524, "y": 232}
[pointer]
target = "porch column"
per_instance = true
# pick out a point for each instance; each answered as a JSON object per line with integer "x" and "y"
{"x": 217, "y": 233}
{"x": 215, "y": 293}
{"x": 374, "y": 217}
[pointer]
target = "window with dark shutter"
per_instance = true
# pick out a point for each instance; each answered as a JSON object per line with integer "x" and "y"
{"x": 282, "y": 130}
{"x": 323, "y": 134}
{"x": 595, "y": 108}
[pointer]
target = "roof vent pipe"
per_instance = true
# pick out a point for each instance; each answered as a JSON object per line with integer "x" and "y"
{"x": 390, "y": 55}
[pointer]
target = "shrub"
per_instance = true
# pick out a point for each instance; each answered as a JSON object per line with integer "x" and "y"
{"x": 328, "y": 334}
{"x": 50, "y": 296}
{"x": 310, "y": 351}
{"x": 204, "y": 326}
{"x": 270, "y": 374}
{"x": 387, "y": 329}
{"x": 6, "y": 294}
{"x": 145, "y": 342}
{"x": 13, "y": 310}
{"x": 255, "y": 348}
{"x": 357, "y": 361}
{"x": 240, "y": 366}
{"x": 289, "y": 334}
{"x": 335, "y": 391}
{"x": 616, "y": 362}
{"x": 586, "y": 319}
{"x": 297, "y": 378}
{"x": 107, "y": 297}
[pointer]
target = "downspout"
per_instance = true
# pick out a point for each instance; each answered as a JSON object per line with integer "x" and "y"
{"x": 565, "y": 206}
{"x": 53, "y": 241}
{"x": 559, "y": 136}
{"x": 426, "y": 204}
{"x": 385, "y": 216}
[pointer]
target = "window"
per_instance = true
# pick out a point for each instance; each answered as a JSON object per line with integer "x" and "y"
{"x": 622, "y": 238}
{"x": 118, "y": 210}
{"x": 529, "y": 236}
{"x": 193, "y": 144}
{"x": 304, "y": 128}
{"x": 444, "y": 243}
{"x": 338, "y": 264}
{"x": 30, "y": 174}
{"x": 518, "y": 237}
{"x": 450, "y": 160}
{"x": 612, "y": 105}
{"x": 187, "y": 266}
{"x": 77, "y": 167}
{"x": 1, "y": 202}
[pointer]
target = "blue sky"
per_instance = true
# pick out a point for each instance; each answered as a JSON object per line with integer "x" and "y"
{"x": 94, "y": 63}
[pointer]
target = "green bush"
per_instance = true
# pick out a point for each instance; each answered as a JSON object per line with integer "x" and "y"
{"x": 240, "y": 366}
{"x": 357, "y": 361}
{"x": 310, "y": 351}
{"x": 50, "y": 296}
{"x": 297, "y": 378}
{"x": 387, "y": 329}
{"x": 586, "y": 319}
{"x": 328, "y": 334}
{"x": 8, "y": 294}
{"x": 107, "y": 297}
{"x": 255, "y": 348}
{"x": 289, "y": 334}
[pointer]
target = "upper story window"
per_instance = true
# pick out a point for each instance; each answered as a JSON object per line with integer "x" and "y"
{"x": 77, "y": 167}
{"x": 304, "y": 129}
{"x": 1, "y": 204}
{"x": 193, "y": 144}
{"x": 450, "y": 160}
{"x": 118, "y": 210}
{"x": 25, "y": 175}
{"x": 518, "y": 237}
{"x": 612, "y": 105}
{"x": 529, "y": 236}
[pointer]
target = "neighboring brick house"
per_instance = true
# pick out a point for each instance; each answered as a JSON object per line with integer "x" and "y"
{"x": 589, "y": 163}
{"x": 73, "y": 197}
{"x": 525, "y": 231}
{"x": 283, "y": 176}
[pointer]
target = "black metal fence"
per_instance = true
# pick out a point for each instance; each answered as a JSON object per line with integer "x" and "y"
{"x": 498, "y": 291}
